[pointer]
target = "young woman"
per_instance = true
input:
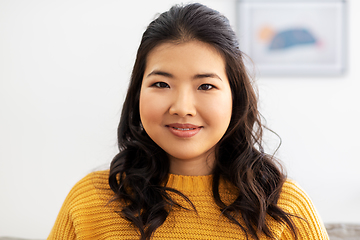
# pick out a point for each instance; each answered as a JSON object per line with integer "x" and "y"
{"x": 191, "y": 164}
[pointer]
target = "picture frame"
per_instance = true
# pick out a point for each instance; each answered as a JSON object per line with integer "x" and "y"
{"x": 293, "y": 38}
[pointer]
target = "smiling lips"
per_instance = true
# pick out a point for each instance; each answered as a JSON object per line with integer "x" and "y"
{"x": 183, "y": 130}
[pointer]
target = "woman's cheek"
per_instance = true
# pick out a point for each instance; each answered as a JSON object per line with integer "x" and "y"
{"x": 152, "y": 107}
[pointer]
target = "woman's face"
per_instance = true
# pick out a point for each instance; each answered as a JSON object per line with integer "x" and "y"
{"x": 186, "y": 104}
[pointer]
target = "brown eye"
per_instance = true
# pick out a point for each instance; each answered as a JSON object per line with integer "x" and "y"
{"x": 206, "y": 87}
{"x": 161, "y": 85}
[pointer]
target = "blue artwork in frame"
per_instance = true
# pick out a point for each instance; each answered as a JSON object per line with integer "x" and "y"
{"x": 293, "y": 38}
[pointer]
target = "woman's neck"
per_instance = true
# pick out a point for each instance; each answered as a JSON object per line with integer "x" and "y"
{"x": 193, "y": 167}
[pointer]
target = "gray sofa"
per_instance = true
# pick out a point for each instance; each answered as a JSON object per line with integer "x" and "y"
{"x": 343, "y": 231}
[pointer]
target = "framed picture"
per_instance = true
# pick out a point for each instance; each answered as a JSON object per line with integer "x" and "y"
{"x": 293, "y": 37}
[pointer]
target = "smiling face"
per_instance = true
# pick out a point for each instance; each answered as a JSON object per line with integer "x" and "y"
{"x": 186, "y": 104}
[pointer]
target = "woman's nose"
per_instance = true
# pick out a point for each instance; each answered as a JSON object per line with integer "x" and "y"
{"x": 183, "y": 104}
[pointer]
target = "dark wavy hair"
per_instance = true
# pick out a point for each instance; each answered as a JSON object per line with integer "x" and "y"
{"x": 139, "y": 172}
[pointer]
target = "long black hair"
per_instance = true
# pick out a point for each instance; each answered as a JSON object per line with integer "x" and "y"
{"x": 139, "y": 172}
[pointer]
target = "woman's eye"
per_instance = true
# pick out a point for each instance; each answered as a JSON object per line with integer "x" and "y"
{"x": 161, "y": 85}
{"x": 206, "y": 87}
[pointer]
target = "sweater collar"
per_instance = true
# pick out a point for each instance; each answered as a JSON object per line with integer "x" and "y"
{"x": 190, "y": 183}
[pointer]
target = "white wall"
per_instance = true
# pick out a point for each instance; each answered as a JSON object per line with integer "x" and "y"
{"x": 64, "y": 68}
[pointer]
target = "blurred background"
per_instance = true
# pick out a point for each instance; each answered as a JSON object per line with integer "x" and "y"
{"x": 64, "y": 71}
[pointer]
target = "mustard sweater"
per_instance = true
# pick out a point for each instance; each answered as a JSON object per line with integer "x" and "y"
{"x": 87, "y": 214}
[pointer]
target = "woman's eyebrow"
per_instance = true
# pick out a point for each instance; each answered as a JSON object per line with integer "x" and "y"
{"x": 197, "y": 76}
{"x": 207, "y": 75}
{"x": 160, "y": 73}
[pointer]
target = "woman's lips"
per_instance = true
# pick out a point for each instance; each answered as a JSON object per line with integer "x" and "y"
{"x": 183, "y": 130}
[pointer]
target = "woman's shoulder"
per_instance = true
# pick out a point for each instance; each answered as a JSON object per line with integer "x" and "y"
{"x": 293, "y": 197}
{"x": 291, "y": 187}
{"x": 88, "y": 210}
{"x": 94, "y": 186}
{"x": 295, "y": 201}
{"x": 93, "y": 179}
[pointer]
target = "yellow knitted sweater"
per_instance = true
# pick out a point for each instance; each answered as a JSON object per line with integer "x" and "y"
{"x": 87, "y": 214}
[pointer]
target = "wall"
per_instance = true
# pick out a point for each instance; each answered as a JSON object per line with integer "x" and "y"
{"x": 64, "y": 68}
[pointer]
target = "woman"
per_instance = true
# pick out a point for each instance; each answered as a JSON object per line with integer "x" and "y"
{"x": 191, "y": 164}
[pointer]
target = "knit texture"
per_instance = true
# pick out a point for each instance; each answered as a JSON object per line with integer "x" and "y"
{"x": 87, "y": 213}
